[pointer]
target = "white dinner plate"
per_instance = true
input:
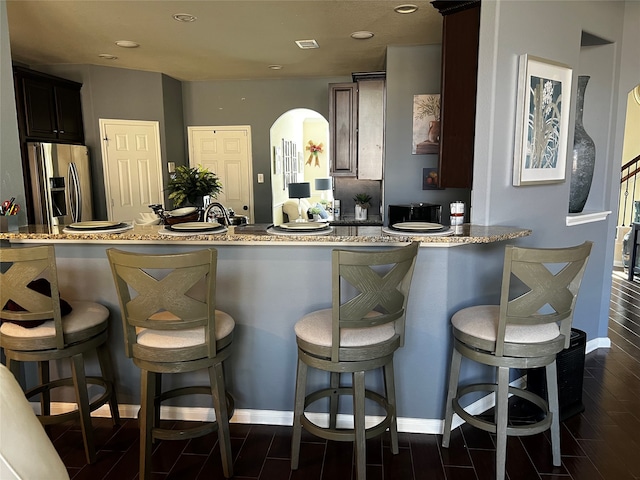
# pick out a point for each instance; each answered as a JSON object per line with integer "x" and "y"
{"x": 308, "y": 226}
{"x": 118, "y": 228}
{"x": 417, "y": 226}
{"x": 194, "y": 226}
{"x": 95, "y": 225}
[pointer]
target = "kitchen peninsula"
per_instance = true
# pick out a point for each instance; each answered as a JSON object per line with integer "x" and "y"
{"x": 267, "y": 282}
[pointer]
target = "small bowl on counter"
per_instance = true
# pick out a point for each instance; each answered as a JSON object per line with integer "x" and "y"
{"x": 181, "y": 215}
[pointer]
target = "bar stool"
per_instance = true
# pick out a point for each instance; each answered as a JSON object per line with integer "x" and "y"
{"x": 35, "y": 330}
{"x": 171, "y": 325}
{"x": 359, "y": 333}
{"x": 528, "y": 329}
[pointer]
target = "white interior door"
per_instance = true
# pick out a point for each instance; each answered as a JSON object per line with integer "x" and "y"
{"x": 226, "y": 151}
{"x": 132, "y": 167}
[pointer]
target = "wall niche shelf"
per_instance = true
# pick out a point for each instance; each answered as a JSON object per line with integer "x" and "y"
{"x": 586, "y": 217}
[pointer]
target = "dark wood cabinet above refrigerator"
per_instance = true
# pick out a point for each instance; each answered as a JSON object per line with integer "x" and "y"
{"x": 460, "y": 30}
{"x": 49, "y": 108}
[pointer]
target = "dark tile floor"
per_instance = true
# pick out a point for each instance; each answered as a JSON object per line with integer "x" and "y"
{"x": 603, "y": 442}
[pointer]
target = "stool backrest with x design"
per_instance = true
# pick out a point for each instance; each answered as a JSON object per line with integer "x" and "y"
{"x": 551, "y": 292}
{"x": 381, "y": 281}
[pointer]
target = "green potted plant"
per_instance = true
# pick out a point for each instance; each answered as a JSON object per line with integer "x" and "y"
{"x": 315, "y": 212}
{"x": 362, "y": 205}
{"x": 188, "y": 185}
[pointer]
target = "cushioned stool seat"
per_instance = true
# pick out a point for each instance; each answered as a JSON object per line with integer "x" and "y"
{"x": 528, "y": 329}
{"x": 54, "y": 336}
{"x": 361, "y": 331}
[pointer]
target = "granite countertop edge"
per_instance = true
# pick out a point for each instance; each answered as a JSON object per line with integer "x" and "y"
{"x": 472, "y": 234}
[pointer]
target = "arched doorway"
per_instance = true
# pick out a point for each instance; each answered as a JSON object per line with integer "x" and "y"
{"x": 290, "y": 135}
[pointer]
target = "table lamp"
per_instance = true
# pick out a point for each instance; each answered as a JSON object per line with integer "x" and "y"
{"x": 299, "y": 190}
{"x": 323, "y": 184}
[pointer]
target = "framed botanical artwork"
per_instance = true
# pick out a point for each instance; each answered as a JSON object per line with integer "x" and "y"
{"x": 542, "y": 121}
{"x": 426, "y": 124}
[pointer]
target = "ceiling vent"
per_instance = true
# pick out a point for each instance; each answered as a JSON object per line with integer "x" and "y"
{"x": 307, "y": 44}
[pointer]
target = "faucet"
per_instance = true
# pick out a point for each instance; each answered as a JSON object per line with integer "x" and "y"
{"x": 220, "y": 207}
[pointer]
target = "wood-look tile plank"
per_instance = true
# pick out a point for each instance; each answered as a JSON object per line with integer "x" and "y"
{"x": 276, "y": 469}
{"x": 212, "y": 467}
{"x": 254, "y": 451}
{"x": 166, "y": 454}
{"x": 187, "y": 466}
{"x": 311, "y": 459}
{"x": 425, "y": 452}
{"x": 538, "y": 450}
{"x": 338, "y": 461}
{"x": 606, "y": 459}
{"x": 457, "y": 454}
{"x": 281, "y": 444}
{"x": 397, "y": 466}
{"x": 105, "y": 462}
{"x": 581, "y": 468}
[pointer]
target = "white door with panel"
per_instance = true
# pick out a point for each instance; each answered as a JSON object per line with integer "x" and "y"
{"x": 132, "y": 167}
{"x": 226, "y": 151}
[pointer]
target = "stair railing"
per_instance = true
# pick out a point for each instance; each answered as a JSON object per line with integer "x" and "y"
{"x": 629, "y": 186}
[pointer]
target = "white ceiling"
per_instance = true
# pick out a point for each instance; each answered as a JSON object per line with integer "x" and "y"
{"x": 231, "y": 39}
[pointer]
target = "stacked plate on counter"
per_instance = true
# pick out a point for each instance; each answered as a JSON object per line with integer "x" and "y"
{"x": 418, "y": 228}
{"x": 301, "y": 228}
{"x": 97, "y": 226}
{"x": 193, "y": 228}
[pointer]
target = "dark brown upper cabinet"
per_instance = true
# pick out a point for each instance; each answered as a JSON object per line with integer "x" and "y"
{"x": 356, "y": 126}
{"x": 461, "y": 27}
{"x": 343, "y": 121}
{"x": 49, "y": 108}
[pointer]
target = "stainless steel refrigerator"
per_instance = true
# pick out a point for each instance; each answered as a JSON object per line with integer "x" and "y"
{"x": 60, "y": 183}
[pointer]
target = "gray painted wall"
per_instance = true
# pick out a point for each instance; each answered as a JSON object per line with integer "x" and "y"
{"x": 11, "y": 179}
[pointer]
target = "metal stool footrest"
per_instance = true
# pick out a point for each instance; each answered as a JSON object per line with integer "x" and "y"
{"x": 194, "y": 432}
{"x": 343, "y": 434}
{"x": 68, "y": 382}
{"x": 519, "y": 430}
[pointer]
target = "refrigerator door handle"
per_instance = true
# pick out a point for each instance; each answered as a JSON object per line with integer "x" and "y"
{"x": 75, "y": 195}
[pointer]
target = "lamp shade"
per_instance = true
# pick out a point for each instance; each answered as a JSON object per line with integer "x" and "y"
{"x": 323, "y": 184}
{"x": 299, "y": 190}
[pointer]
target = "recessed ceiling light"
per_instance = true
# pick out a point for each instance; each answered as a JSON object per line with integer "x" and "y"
{"x": 362, "y": 35}
{"x": 275, "y": 67}
{"x": 127, "y": 44}
{"x": 184, "y": 17}
{"x": 406, "y": 8}
{"x": 307, "y": 44}
{"x": 108, "y": 56}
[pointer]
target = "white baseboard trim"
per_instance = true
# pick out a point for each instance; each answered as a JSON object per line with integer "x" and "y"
{"x": 278, "y": 417}
{"x": 600, "y": 342}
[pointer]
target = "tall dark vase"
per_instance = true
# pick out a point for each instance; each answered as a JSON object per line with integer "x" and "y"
{"x": 584, "y": 156}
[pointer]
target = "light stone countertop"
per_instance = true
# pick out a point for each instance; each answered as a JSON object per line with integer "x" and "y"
{"x": 257, "y": 234}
